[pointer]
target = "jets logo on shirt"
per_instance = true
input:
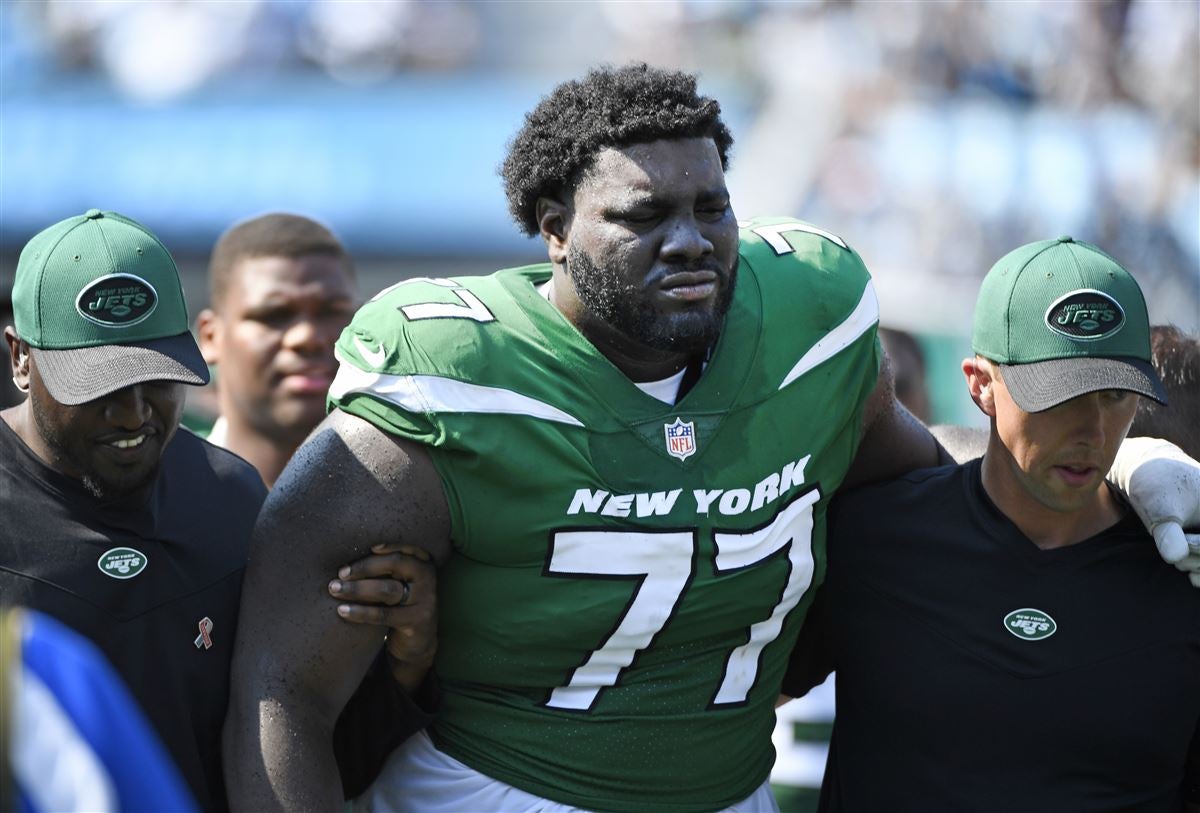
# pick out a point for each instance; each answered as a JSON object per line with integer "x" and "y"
{"x": 681, "y": 438}
{"x": 121, "y": 563}
{"x": 1029, "y": 624}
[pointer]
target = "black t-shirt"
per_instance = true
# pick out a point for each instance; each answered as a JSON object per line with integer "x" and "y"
{"x": 977, "y": 672}
{"x": 139, "y": 579}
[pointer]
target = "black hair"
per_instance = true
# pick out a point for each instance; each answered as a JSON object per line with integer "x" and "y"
{"x": 610, "y": 107}
{"x": 1176, "y": 358}
{"x": 272, "y": 235}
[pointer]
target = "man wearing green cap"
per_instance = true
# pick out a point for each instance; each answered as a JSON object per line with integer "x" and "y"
{"x": 129, "y": 531}
{"x": 1010, "y": 639}
{"x": 113, "y": 522}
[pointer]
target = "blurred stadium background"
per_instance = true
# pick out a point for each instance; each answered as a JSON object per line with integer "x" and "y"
{"x": 932, "y": 136}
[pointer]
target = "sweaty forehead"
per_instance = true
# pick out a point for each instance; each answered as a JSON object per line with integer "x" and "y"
{"x": 686, "y": 166}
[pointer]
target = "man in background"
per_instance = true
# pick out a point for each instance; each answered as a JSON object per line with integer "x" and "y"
{"x": 282, "y": 288}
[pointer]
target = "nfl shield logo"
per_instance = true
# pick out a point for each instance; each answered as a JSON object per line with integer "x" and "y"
{"x": 681, "y": 439}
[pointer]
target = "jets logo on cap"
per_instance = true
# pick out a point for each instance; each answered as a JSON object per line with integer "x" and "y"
{"x": 1086, "y": 315}
{"x": 117, "y": 300}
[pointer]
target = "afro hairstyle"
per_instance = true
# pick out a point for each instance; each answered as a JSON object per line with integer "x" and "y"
{"x": 610, "y": 107}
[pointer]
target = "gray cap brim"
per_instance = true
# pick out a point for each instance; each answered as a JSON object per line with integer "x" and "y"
{"x": 1040, "y": 385}
{"x": 87, "y": 373}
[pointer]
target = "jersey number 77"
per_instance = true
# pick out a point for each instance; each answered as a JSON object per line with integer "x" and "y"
{"x": 663, "y": 565}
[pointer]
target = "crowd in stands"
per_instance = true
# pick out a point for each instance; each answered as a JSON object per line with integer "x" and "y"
{"x": 931, "y": 135}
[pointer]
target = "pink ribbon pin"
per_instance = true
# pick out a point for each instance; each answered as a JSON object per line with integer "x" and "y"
{"x": 204, "y": 639}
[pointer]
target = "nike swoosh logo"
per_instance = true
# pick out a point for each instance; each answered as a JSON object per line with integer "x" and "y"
{"x": 373, "y": 357}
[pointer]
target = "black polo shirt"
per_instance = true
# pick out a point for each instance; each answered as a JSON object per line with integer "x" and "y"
{"x": 140, "y": 579}
{"x": 978, "y": 672}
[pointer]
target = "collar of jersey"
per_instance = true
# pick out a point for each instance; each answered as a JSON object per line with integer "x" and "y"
{"x": 716, "y": 391}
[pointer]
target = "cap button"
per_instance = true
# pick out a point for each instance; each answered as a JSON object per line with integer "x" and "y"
{"x": 93, "y": 214}
{"x": 1066, "y": 238}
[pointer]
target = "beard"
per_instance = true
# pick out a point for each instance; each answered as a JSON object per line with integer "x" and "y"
{"x": 67, "y": 457}
{"x": 628, "y": 308}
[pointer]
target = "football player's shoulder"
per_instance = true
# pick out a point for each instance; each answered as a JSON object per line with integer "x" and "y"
{"x": 803, "y": 269}
{"x": 421, "y": 305}
{"x": 429, "y": 325}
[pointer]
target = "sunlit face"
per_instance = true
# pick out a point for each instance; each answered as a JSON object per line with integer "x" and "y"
{"x": 652, "y": 245}
{"x": 272, "y": 341}
{"x": 1061, "y": 456}
{"x": 113, "y": 444}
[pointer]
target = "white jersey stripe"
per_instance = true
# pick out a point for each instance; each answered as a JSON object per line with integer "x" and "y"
{"x": 51, "y": 759}
{"x": 433, "y": 393}
{"x": 860, "y": 320}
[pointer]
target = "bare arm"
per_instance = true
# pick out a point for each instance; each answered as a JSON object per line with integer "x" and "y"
{"x": 350, "y": 486}
{"x": 395, "y": 587}
{"x": 893, "y": 441}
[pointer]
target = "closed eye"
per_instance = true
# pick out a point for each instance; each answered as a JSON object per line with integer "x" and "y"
{"x": 639, "y": 217}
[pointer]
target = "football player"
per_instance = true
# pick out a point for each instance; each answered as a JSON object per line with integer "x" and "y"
{"x": 623, "y": 459}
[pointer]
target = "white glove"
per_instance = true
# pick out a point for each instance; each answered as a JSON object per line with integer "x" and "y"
{"x": 1163, "y": 486}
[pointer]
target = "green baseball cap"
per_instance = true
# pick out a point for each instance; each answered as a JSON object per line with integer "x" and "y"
{"x": 1063, "y": 319}
{"x": 98, "y": 299}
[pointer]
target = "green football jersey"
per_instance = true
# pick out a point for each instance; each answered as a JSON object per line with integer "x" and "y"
{"x": 628, "y": 577}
